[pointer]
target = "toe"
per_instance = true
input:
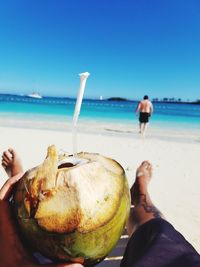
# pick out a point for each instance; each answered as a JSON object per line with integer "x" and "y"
{"x": 7, "y": 156}
{"x": 4, "y": 163}
{"x": 12, "y": 152}
{"x": 146, "y": 167}
{"x": 5, "y": 160}
{"x": 146, "y": 164}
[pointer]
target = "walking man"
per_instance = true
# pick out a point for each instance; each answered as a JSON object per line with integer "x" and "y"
{"x": 145, "y": 107}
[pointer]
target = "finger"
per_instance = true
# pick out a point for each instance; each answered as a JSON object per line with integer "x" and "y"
{"x": 6, "y": 190}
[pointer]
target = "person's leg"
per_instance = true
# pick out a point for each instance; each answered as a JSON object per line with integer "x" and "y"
{"x": 11, "y": 162}
{"x": 144, "y": 128}
{"x": 140, "y": 127}
{"x": 143, "y": 209}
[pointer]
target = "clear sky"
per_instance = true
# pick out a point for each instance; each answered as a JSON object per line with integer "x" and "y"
{"x": 130, "y": 47}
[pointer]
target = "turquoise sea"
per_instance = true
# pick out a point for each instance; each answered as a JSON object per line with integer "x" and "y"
{"x": 54, "y": 109}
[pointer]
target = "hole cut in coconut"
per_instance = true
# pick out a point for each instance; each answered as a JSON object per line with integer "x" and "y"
{"x": 66, "y": 165}
{"x": 71, "y": 162}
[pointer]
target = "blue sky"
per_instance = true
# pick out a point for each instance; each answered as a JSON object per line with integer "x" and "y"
{"x": 130, "y": 47}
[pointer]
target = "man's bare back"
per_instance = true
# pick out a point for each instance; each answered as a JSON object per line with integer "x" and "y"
{"x": 145, "y": 106}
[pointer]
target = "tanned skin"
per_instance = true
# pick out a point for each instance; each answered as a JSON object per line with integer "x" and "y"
{"x": 144, "y": 209}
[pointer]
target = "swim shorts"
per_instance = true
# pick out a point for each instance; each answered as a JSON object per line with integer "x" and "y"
{"x": 144, "y": 117}
{"x": 157, "y": 244}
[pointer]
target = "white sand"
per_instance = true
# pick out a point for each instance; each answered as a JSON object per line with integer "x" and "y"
{"x": 175, "y": 187}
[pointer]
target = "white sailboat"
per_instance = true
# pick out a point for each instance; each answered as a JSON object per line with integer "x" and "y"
{"x": 35, "y": 95}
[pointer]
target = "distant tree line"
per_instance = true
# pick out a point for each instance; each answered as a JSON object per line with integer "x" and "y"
{"x": 164, "y": 99}
{"x": 174, "y": 100}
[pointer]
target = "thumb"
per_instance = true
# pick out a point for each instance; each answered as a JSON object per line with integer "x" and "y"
{"x": 6, "y": 190}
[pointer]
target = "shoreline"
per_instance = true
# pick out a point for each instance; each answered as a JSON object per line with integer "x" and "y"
{"x": 177, "y": 132}
{"x": 116, "y": 114}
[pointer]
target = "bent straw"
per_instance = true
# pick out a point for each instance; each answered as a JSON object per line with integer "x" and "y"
{"x": 83, "y": 79}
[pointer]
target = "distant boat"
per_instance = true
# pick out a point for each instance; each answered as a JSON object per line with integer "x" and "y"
{"x": 101, "y": 97}
{"x": 35, "y": 95}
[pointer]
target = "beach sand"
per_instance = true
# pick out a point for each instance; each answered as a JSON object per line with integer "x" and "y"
{"x": 176, "y": 180}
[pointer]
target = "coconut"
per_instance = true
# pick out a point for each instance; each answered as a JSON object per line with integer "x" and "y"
{"x": 73, "y": 209}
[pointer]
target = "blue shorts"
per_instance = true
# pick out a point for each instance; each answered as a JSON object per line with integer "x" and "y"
{"x": 157, "y": 244}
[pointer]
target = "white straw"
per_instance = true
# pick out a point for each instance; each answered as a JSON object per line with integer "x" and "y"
{"x": 83, "y": 79}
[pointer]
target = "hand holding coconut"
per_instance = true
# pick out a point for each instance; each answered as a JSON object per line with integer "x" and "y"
{"x": 13, "y": 252}
{"x": 73, "y": 209}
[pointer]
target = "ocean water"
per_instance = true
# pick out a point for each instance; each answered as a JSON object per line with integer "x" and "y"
{"x": 54, "y": 109}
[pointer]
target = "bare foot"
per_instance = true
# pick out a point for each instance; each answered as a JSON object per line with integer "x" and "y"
{"x": 143, "y": 176}
{"x": 145, "y": 171}
{"x": 11, "y": 162}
